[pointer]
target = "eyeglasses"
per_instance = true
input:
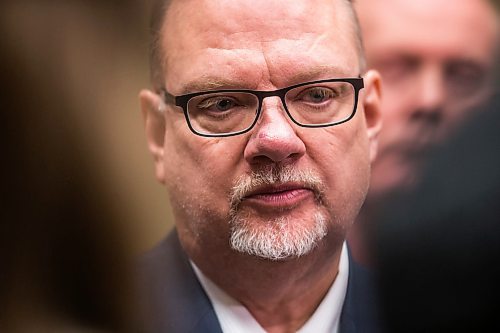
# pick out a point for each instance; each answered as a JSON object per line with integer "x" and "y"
{"x": 221, "y": 113}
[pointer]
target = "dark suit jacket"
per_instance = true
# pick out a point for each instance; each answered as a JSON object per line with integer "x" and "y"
{"x": 175, "y": 301}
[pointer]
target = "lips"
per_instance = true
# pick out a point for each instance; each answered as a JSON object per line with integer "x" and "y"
{"x": 279, "y": 196}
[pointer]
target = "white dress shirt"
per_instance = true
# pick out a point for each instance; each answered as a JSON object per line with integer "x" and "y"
{"x": 235, "y": 318}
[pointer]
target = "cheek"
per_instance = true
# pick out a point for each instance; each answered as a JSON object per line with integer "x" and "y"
{"x": 199, "y": 173}
{"x": 345, "y": 164}
{"x": 396, "y": 114}
{"x": 394, "y": 107}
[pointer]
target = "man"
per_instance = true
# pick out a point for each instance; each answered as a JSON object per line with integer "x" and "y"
{"x": 262, "y": 124}
{"x": 436, "y": 58}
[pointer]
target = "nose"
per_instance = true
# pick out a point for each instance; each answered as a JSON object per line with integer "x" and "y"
{"x": 273, "y": 139}
{"x": 431, "y": 92}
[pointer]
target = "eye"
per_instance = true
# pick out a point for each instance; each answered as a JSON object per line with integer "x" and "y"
{"x": 465, "y": 77}
{"x": 218, "y": 104}
{"x": 317, "y": 95}
{"x": 400, "y": 69}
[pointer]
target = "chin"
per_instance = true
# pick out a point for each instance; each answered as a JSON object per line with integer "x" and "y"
{"x": 277, "y": 239}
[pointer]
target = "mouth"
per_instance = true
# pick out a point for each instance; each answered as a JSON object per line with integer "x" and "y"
{"x": 409, "y": 150}
{"x": 422, "y": 141}
{"x": 279, "y": 196}
{"x": 418, "y": 151}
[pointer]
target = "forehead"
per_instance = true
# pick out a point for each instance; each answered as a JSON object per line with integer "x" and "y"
{"x": 257, "y": 38}
{"x": 441, "y": 28}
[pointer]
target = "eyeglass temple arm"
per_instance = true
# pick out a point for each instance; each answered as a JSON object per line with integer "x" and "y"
{"x": 168, "y": 98}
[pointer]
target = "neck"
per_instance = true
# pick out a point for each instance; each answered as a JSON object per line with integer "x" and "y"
{"x": 280, "y": 295}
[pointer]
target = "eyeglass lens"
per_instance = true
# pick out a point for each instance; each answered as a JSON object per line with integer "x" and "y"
{"x": 231, "y": 112}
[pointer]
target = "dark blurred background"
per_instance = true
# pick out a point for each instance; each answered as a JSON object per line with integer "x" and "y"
{"x": 93, "y": 56}
{"x": 79, "y": 200}
{"x": 438, "y": 246}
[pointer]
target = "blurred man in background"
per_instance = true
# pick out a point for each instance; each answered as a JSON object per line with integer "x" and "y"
{"x": 437, "y": 61}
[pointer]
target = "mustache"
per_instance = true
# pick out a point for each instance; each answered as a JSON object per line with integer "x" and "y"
{"x": 275, "y": 175}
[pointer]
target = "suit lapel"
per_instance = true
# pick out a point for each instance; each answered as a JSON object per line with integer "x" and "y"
{"x": 175, "y": 300}
{"x": 359, "y": 310}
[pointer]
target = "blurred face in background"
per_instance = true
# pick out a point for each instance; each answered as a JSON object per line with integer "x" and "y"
{"x": 436, "y": 58}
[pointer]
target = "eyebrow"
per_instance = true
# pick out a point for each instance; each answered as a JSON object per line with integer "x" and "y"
{"x": 209, "y": 83}
{"x": 318, "y": 73}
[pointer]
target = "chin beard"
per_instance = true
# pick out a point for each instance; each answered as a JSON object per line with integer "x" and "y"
{"x": 277, "y": 239}
{"x": 282, "y": 237}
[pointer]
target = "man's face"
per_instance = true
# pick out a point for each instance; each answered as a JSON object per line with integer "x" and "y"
{"x": 436, "y": 59}
{"x": 279, "y": 183}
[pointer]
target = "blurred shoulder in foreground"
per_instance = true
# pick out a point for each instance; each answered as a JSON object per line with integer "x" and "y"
{"x": 64, "y": 259}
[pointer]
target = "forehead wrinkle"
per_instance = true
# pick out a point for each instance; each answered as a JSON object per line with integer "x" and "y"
{"x": 234, "y": 35}
{"x": 337, "y": 31}
{"x": 261, "y": 23}
{"x": 284, "y": 70}
{"x": 222, "y": 69}
{"x": 259, "y": 16}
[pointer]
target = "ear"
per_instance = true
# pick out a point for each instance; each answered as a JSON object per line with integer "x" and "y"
{"x": 153, "y": 112}
{"x": 372, "y": 109}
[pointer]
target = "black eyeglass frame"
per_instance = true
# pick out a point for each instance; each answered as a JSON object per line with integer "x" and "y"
{"x": 183, "y": 100}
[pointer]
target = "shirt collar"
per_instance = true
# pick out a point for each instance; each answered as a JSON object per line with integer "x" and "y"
{"x": 234, "y": 317}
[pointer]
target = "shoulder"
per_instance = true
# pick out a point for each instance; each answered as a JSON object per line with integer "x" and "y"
{"x": 171, "y": 295}
{"x": 160, "y": 259}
